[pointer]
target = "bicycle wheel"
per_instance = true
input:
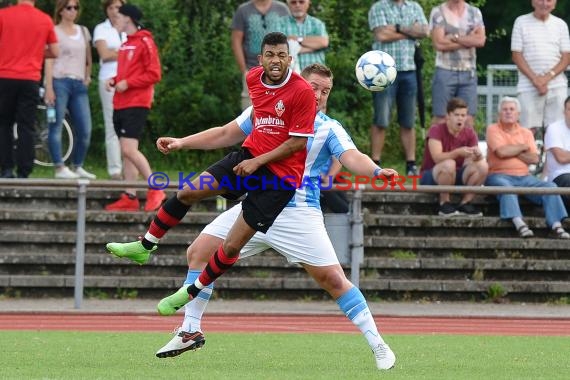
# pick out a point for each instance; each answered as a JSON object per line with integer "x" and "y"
{"x": 43, "y": 157}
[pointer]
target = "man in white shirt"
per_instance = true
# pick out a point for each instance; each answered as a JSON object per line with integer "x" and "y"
{"x": 557, "y": 145}
{"x": 541, "y": 50}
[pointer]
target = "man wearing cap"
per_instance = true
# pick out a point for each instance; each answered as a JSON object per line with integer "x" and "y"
{"x": 138, "y": 70}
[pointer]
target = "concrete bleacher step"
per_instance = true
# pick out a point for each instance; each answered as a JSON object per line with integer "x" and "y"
{"x": 409, "y": 252}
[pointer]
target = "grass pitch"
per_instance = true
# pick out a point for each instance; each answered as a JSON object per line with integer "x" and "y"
{"x": 87, "y": 355}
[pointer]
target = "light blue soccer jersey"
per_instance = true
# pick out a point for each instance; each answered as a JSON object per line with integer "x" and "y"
{"x": 330, "y": 139}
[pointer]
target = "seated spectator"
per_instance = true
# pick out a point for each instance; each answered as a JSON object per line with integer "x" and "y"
{"x": 452, "y": 157}
{"x": 557, "y": 146}
{"x": 511, "y": 148}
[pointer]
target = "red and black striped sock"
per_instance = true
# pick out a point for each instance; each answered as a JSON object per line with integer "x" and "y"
{"x": 168, "y": 216}
{"x": 219, "y": 263}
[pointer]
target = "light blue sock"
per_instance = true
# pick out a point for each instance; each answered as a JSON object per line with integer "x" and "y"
{"x": 194, "y": 309}
{"x": 354, "y": 306}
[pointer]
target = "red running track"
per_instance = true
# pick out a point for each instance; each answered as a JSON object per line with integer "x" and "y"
{"x": 287, "y": 324}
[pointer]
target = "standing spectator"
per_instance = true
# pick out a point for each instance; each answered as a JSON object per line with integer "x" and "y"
{"x": 540, "y": 48}
{"x": 457, "y": 29}
{"x": 24, "y": 33}
{"x": 138, "y": 70}
{"x": 107, "y": 41}
{"x": 557, "y": 145}
{"x": 66, "y": 81}
{"x": 452, "y": 157}
{"x": 511, "y": 148}
{"x": 308, "y": 37}
{"x": 251, "y": 22}
{"x": 396, "y": 25}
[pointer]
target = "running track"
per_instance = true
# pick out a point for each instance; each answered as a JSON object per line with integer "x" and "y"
{"x": 286, "y": 324}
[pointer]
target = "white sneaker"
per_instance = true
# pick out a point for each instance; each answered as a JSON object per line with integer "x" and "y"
{"x": 65, "y": 173}
{"x": 84, "y": 173}
{"x": 181, "y": 342}
{"x": 385, "y": 358}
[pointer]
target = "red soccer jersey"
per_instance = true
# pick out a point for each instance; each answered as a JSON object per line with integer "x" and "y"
{"x": 281, "y": 111}
{"x": 24, "y": 33}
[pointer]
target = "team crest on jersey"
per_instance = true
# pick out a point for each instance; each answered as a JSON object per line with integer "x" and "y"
{"x": 279, "y": 108}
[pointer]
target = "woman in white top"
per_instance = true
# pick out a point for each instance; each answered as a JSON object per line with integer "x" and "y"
{"x": 66, "y": 80}
{"x": 107, "y": 41}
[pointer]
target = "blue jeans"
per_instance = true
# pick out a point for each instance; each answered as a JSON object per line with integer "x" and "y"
{"x": 509, "y": 203}
{"x": 403, "y": 91}
{"x": 70, "y": 94}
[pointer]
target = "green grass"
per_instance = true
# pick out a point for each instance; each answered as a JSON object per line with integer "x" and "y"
{"x": 82, "y": 355}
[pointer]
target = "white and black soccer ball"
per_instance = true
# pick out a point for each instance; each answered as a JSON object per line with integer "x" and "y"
{"x": 376, "y": 70}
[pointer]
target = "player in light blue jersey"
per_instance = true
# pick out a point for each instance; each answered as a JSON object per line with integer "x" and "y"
{"x": 298, "y": 233}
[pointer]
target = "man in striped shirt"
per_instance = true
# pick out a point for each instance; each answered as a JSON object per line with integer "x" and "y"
{"x": 541, "y": 50}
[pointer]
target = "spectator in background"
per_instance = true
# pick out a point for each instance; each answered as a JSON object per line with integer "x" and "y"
{"x": 138, "y": 70}
{"x": 452, "y": 157}
{"x": 107, "y": 40}
{"x": 541, "y": 50}
{"x": 307, "y": 35}
{"x": 457, "y": 30}
{"x": 24, "y": 33}
{"x": 66, "y": 82}
{"x": 511, "y": 148}
{"x": 396, "y": 25}
{"x": 557, "y": 145}
{"x": 251, "y": 22}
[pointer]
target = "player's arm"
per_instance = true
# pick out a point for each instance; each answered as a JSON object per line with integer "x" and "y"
{"x": 359, "y": 163}
{"x": 287, "y": 148}
{"x": 213, "y": 138}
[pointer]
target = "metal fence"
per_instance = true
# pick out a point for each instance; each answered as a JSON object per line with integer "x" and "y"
{"x": 501, "y": 81}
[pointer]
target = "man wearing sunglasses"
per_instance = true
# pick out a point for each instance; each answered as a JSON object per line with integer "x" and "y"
{"x": 27, "y": 35}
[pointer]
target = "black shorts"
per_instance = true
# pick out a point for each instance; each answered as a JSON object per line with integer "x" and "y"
{"x": 130, "y": 122}
{"x": 267, "y": 194}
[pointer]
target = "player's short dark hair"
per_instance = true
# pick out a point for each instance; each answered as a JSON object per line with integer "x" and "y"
{"x": 455, "y": 103}
{"x": 274, "y": 38}
{"x": 317, "y": 68}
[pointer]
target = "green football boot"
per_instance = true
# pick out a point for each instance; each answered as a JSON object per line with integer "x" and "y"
{"x": 169, "y": 305}
{"x": 133, "y": 251}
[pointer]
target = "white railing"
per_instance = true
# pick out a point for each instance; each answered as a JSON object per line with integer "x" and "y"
{"x": 501, "y": 81}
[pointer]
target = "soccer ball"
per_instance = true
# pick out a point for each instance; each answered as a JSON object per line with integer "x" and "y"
{"x": 375, "y": 70}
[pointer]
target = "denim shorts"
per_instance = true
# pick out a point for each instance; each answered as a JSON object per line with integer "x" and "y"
{"x": 449, "y": 84}
{"x": 404, "y": 91}
{"x": 427, "y": 177}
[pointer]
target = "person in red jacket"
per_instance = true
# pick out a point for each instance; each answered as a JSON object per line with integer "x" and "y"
{"x": 138, "y": 70}
{"x": 27, "y": 36}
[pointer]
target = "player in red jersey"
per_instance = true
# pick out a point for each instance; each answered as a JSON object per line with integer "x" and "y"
{"x": 268, "y": 168}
